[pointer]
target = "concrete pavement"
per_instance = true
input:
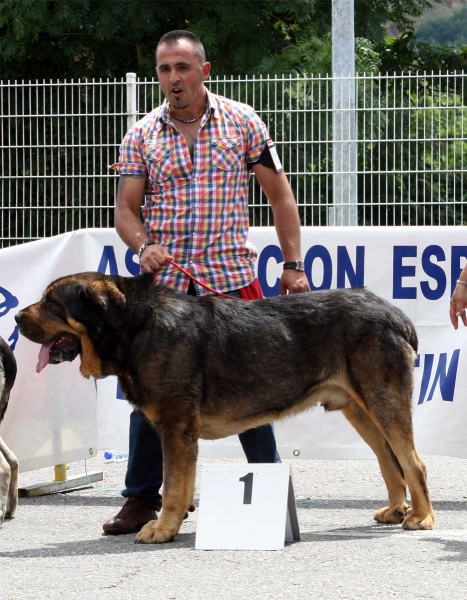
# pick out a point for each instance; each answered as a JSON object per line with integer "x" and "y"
{"x": 54, "y": 548}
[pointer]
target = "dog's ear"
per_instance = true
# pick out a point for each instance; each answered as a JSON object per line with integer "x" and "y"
{"x": 111, "y": 301}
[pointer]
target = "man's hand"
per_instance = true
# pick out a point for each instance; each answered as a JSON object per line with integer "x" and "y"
{"x": 294, "y": 282}
{"x": 458, "y": 305}
{"x": 153, "y": 258}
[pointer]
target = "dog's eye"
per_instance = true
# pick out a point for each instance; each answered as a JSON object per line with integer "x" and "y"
{"x": 52, "y": 305}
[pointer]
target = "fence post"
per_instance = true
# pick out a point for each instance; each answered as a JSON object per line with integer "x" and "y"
{"x": 344, "y": 130}
{"x": 131, "y": 106}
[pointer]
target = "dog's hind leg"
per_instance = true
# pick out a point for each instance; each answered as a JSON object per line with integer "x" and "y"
{"x": 180, "y": 452}
{"x": 12, "y": 496}
{"x": 421, "y": 515}
{"x": 396, "y": 427}
{"x": 8, "y": 482}
{"x": 390, "y": 468}
{"x": 4, "y": 486}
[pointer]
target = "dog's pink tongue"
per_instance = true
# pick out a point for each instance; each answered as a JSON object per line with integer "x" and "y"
{"x": 43, "y": 358}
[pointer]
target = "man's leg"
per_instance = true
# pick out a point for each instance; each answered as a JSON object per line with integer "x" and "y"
{"x": 259, "y": 445}
{"x": 143, "y": 479}
{"x": 144, "y": 473}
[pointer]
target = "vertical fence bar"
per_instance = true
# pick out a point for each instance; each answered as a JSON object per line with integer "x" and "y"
{"x": 131, "y": 100}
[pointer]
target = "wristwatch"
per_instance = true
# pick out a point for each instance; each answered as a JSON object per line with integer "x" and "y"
{"x": 295, "y": 264}
{"x": 144, "y": 246}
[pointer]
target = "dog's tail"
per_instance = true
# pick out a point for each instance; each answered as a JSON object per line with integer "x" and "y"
{"x": 411, "y": 336}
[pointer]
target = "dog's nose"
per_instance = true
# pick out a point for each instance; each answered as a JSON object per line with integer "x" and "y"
{"x": 19, "y": 316}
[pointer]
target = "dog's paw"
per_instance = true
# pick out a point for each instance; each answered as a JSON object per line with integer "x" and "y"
{"x": 413, "y": 522}
{"x": 153, "y": 533}
{"x": 391, "y": 515}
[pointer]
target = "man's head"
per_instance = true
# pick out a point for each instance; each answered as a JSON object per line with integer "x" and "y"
{"x": 174, "y": 37}
{"x": 182, "y": 68}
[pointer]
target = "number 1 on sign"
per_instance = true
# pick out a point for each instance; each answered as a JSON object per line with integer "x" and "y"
{"x": 248, "y": 481}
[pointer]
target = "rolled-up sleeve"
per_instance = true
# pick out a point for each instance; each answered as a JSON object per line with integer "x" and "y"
{"x": 131, "y": 161}
{"x": 257, "y": 137}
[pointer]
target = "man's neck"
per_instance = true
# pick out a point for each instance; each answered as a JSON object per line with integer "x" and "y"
{"x": 191, "y": 113}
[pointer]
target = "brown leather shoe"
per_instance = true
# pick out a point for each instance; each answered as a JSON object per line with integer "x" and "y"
{"x": 131, "y": 518}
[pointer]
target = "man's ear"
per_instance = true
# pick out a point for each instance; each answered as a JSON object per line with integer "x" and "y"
{"x": 206, "y": 70}
{"x": 107, "y": 296}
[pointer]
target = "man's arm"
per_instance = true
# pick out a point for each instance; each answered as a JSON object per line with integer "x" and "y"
{"x": 129, "y": 226}
{"x": 287, "y": 224}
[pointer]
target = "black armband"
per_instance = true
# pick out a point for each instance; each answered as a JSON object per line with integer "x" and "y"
{"x": 269, "y": 158}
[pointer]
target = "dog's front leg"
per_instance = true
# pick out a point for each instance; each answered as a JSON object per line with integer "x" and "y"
{"x": 180, "y": 451}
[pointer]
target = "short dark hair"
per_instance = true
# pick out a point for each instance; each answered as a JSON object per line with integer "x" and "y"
{"x": 172, "y": 37}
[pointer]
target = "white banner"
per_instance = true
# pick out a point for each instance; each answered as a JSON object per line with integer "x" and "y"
{"x": 54, "y": 417}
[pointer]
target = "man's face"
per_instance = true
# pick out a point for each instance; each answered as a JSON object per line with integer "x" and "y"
{"x": 181, "y": 73}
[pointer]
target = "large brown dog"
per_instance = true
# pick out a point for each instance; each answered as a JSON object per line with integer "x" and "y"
{"x": 8, "y": 461}
{"x": 212, "y": 367}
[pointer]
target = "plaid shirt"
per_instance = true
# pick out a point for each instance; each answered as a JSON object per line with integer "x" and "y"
{"x": 198, "y": 209}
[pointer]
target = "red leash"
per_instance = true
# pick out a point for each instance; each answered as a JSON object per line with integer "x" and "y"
{"x": 206, "y": 287}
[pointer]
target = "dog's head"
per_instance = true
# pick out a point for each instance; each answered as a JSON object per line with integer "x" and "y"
{"x": 72, "y": 314}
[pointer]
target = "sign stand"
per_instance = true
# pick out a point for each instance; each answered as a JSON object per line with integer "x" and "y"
{"x": 246, "y": 507}
{"x": 61, "y": 483}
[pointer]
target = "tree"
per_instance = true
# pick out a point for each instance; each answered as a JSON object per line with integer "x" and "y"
{"x": 445, "y": 29}
{"x": 67, "y": 39}
{"x": 407, "y": 53}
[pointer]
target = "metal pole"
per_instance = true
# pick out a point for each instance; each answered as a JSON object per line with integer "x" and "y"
{"x": 131, "y": 107}
{"x": 344, "y": 209}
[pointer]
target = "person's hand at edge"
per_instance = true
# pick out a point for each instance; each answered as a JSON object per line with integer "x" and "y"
{"x": 458, "y": 304}
{"x": 293, "y": 282}
{"x": 153, "y": 258}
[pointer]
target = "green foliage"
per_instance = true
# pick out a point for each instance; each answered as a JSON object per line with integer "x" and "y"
{"x": 314, "y": 56}
{"x": 407, "y": 53}
{"x": 445, "y": 28}
{"x": 69, "y": 39}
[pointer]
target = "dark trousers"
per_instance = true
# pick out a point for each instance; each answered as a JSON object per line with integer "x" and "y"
{"x": 144, "y": 473}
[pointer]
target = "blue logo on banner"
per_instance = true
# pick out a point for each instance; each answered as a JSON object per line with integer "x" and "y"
{"x": 108, "y": 262}
{"x": 345, "y": 270}
{"x": 8, "y": 303}
{"x": 445, "y": 377}
{"x": 435, "y": 287}
{"x": 13, "y": 339}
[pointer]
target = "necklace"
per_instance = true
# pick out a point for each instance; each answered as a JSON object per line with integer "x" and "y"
{"x": 187, "y": 120}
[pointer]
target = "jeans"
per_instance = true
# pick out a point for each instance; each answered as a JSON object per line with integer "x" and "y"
{"x": 144, "y": 473}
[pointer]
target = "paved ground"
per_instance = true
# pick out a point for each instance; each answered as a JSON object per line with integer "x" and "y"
{"x": 54, "y": 547}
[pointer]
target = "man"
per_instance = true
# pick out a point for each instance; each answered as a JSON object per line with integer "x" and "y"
{"x": 191, "y": 158}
